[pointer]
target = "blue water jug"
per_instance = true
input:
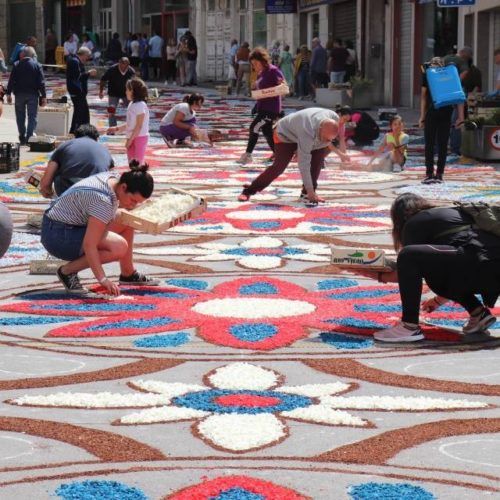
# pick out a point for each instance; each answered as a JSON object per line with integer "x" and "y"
{"x": 444, "y": 85}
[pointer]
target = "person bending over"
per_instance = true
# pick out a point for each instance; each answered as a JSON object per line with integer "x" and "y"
{"x": 80, "y": 227}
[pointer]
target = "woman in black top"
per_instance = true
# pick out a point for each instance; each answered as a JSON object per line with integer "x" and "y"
{"x": 439, "y": 245}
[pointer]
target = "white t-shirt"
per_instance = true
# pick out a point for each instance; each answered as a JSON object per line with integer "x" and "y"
{"x": 70, "y": 48}
{"x": 134, "y": 109}
{"x": 89, "y": 45}
{"x": 134, "y": 48}
{"x": 183, "y": 108}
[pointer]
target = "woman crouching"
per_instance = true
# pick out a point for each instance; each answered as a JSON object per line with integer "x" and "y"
{"x": 80, "y": 227}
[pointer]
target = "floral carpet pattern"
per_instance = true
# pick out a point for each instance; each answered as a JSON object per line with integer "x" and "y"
{"x": 251, "y": 371}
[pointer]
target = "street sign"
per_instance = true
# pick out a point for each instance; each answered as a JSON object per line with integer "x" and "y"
{"x": 495, "y": 138}
{"x": 455, "y": 3}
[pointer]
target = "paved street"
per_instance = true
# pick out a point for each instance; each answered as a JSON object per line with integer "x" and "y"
{"x": 251, "y": 371}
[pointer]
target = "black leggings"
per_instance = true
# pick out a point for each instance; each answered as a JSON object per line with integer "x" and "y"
{"x": 263, "y": 122}
{"x": 441, "y": 266}
{"x": 436, "y": 130}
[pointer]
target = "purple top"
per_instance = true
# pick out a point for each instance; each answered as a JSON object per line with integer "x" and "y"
{"x": 270, "y": 77}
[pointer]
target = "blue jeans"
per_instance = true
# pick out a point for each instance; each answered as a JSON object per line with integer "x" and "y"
{"x": 191, "y": 78}
{"x": 113, "y": 102}
{"x": 303, "y": 81}
{"x": 62, "y": 240}
{"x": 337, "y": 76}
{"x": 23, "y": 102}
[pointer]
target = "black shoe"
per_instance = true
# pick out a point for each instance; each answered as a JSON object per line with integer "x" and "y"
{"x": 71, "y": 283}
{"x": 438, "y": 179}
{"x": 428, "y": 180}
{"x": 138, "y": 279}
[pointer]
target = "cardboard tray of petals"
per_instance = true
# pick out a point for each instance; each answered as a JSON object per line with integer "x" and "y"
{"x": 160, "y": 213}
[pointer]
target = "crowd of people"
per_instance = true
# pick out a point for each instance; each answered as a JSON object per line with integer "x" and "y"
{"x": 441, "y": 245}
{"x": 304, "y": 71}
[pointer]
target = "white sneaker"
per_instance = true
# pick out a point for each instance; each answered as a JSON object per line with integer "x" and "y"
{"x": 480, "y": 322}
{"x": 244, "y": 159}
{"x": 396, "y": 167}
{"x": 399, "y": 333}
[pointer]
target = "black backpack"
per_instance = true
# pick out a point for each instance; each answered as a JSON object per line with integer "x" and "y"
{"x": 486, "y": 217}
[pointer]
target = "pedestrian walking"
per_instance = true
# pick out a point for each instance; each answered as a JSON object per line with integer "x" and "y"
{"x": 155, "y": 54}
{"x": 27, "y": 83}
{"x": 77, "y": 84}
{"x": 337, "y": 62}
{"x": 170, "y": 52}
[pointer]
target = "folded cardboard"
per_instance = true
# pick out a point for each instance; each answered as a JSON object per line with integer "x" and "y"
{"x": 281, "y": 89}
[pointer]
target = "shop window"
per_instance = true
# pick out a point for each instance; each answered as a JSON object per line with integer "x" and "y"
{"x": 439, "y": 31}
{"x": 243, "y": 4}
{"x": 259, "y": 23}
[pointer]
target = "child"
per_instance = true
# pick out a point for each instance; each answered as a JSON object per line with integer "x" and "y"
{"x": 179, "y": 123}
{"x": 396, "y": 143}
{"x": 137, "y": 124}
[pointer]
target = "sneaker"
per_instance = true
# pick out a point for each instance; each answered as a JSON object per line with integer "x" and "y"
{"x": 396, "y": 167}
{"x": 428, "y": 180}
{"x": 303, "y": 197}
{"x": 244, "y": 159}
{"x": 438, "y": 179}
{"x": 138, "y": 279}
{"x": 399, "y": 333}
{"x": 71, "y": 282}
{"x": 480, "y": 322}
{"x": 171, "y": 143}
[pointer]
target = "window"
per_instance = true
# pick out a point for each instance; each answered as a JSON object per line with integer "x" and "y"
{"x": 243, "y": 28}
{"x": 210, "y": 4}
{"x": 105, "y": 25}
{"x": 243, "y": 4}
{"x": 259, "y": 23}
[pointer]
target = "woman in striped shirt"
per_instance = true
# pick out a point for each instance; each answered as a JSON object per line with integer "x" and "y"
{"x": 79, "y": 227}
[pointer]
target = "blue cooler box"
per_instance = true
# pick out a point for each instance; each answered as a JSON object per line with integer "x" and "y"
{"x": 444, "y": 84}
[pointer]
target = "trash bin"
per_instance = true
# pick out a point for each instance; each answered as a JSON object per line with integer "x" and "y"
{"x": 482, "y": 143}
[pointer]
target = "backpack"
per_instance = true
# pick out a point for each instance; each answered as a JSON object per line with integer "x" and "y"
{"x": 14, "y": 55}
{"x": 486, "y": 217}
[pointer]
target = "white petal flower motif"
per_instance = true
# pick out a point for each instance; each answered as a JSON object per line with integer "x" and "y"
{"x": 243, "y": 407}
{"x": 259, "y": 253}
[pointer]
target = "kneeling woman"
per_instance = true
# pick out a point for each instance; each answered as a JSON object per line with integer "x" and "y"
{"x": 79, "y": 227}
{"x": 179, "y": 124}
{"x": 457, "y": 261}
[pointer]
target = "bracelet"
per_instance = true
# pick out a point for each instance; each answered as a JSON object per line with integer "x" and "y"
{"x": 102, "y": 280}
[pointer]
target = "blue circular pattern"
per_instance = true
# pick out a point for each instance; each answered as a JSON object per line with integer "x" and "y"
{"x": 172, "y": 340}
{"x": 344, "y": 342}
{"x": 388, "y": 491}
{"x": 237, "y": 494}
{"x": 389, "y": 308}
{"x": 253, "y": 332}
{"x": 99, "y": 490}
{"x": 336, "y": 283}
{"x": 357, "y": 323}
{"x": 205, "y": 401}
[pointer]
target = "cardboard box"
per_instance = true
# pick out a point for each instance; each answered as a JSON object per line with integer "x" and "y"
{"x": 281, "y": 89}
{"x": 140, "y": 223}
{"x": 356, "y": 257}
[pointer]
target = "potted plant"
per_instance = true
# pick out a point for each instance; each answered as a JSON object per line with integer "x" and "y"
{"x": 362, "y": 95}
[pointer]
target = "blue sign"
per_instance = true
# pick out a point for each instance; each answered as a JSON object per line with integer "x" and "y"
{"x": 456, "y": 3}
{"x": 281, "y": 6}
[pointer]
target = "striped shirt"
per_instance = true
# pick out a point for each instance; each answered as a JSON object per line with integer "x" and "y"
{"x": 90, "y": 197}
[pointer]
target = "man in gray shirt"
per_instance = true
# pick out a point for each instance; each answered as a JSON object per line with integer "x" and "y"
{"x": 308, "y": 133}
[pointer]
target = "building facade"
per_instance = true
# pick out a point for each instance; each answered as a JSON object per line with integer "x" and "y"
{"x": 392, "y": 37}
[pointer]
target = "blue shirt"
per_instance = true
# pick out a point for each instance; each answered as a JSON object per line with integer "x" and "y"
{"x": 155, "y": 46}
{"x": 27, "y": 78}
{"x": 318, "y": 60}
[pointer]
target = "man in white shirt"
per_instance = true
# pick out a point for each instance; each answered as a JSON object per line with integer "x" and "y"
{"x": 155, "y": 54}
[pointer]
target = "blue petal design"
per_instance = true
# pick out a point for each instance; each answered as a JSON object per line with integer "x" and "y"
{"x": 324, "y": 229}
{"x": 344, "y": 342}
{"x": 356, "y": 323}
{"x": 388, "y": 491}
{"x": 99, "y": 307}
{"x": 173, "y": 340}
{"x": 99, "y": 490}
{"x": 258, "y": 288}
{"x": 235, "y": 251}
{"x": 265, "y": 225}
{"x": 191, "y": 284}
{"x": 336, "y": 283}
{"x": 253, "y": 332}
{"x": 137, "y": 323}
{"x": 389, "y": 308}
{"x": 36, "y": 320}
{"x": 362, "y": 294}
